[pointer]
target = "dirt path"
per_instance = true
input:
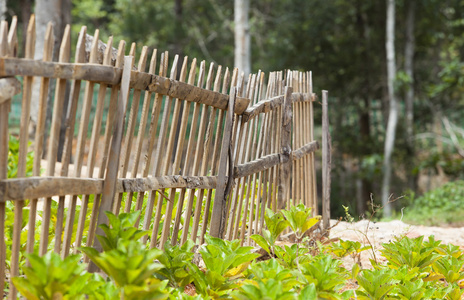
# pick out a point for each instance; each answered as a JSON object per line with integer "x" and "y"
{"x": 384, "y": 232}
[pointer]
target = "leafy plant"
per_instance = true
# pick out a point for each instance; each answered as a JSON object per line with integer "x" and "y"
{"x": 49, "y": 277}
{"x": 290, "y": 256}
{"x": 353, "y": 248}
{"x": 300, "y": 220}
{"x": 176, "y": 261}
{"x": 326, "y": 274}
{"x": 410, "y": 252}
{"x": 120, "y": 227}
{"x": 376, "y": 284}
{"x": 276, "y": 224}
{"x": 450, "y": 267}
{"x": 225, "y": 261}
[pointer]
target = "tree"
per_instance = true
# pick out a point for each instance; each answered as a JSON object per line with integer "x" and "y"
{"x": 242, "y": 52}
{"x": 393, "y": 107}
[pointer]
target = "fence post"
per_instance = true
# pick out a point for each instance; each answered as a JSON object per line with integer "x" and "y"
{"x": 326, "y": 164}
{"x": 225, "y": 161}
{"x": 111, "y": 177}
{"x": 286, "y": 149}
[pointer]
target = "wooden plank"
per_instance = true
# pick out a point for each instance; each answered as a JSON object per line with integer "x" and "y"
{"x": 195, "y": 130}
{"x": 111, "y": 75}
{"x": 69, "y": 137}
{"x": 216, "y": 151}
{"x": 109, "y": 187}
{"x": 24, "y": 129}
{"x": 326, "y": 164}
{"x": 79, "y": 157}
{"x": 40, "y": 134}
{"x": 65, "y": 51}
{"x": 177, "y": 162}
{"x": 219, "y": 213}
{"x": 4, "y": 111}
{"x": 94, "y": 142}
{"x": 169, "y": 152}
{"x": 208, "y": 140}
{"x": 285, "y": 169}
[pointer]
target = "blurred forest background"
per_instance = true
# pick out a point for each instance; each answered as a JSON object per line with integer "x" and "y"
{"x": 344, "y": 44}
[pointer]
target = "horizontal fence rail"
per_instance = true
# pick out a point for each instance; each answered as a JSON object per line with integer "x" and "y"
{"x": 195, "y": 148}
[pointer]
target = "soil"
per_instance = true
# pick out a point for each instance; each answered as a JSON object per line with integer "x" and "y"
{"x": 377, "y": 233}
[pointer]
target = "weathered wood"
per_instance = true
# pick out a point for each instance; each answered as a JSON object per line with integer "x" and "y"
{"x": 40, "y": 135}
{"x": 177, "y": 161}
{"x": 285, "y": 169}
{"x": 267, "y": 105}
{"x": 67, "y": 148}
{"x": 111, "y": 76}
{"x": 49, "y": 186}
{"x": 326, "y": 163}
{"x": 4, "y": 110}
{"x": 220, "y": 197}
{"x": 259, "y": 165}
{"x": 80, "y": 147}
{"x": 9, "y": 87}
{"x": 109, "y": 185}
{"x": 64, "y": 55}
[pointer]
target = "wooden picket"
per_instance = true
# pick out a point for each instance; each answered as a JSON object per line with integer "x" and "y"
{"x": 203, "y": 151}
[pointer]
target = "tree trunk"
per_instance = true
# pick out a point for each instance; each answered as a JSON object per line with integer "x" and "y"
{"x": 409, "y": 99}
{"x": 3, "y": 10}
{"x": 59, "y": 13}
{"x": 393, "y": 108}
{"x": 25, "y": 16}
{"x": 242, "y": 36}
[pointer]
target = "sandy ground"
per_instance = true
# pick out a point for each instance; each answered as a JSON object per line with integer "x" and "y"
{"x": 377, "y": 233}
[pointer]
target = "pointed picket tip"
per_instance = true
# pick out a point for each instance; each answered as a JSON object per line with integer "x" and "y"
{"x": 13, "y": 37}
{"x": 183, "y": 71}
{"x": 80, "y": 47}
{"x": 152, "y": 68}
{"x": 30, "y": 38}
{"x": 4, "y": 47}
{"x": 217, "y": 80}
{"x": 225, "y": 81}
{"x": 65, "y": 48}
{"x": 193, "y": 72}
{"x": 174, "y": 67}
{"x": 132, "y": 49}
{"x": 93, "y": 59}
{"x": 121, "y": 51}
{"x": 143, "y": 59}
{"x": 108, "y": 52}
{"x": 49, "y": 42}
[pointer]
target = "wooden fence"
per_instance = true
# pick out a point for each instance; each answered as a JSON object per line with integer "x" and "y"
{"x": 205, "y": 150}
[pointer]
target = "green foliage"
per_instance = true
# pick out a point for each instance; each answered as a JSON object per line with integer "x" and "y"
{"x": 410, "y": 252}
{"x": 343, "y": 248}
{"x": 177, "y": 264}
{"x": 276, "y": 224}
{"x": 300, "y": 220}
{"x": 290, "y": 256}
{"x": 49, "y": 277}
{"x": 121, "y": 228}
{"x": 325, "y": 273}
{"x": 376, "y": 284}
{"x": 443, "y": 205}
{"x": 13, "y": 158}
{"x": 225, "y": 261}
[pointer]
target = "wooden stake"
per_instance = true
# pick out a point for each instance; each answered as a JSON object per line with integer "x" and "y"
{"x": 326, "y": 164}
